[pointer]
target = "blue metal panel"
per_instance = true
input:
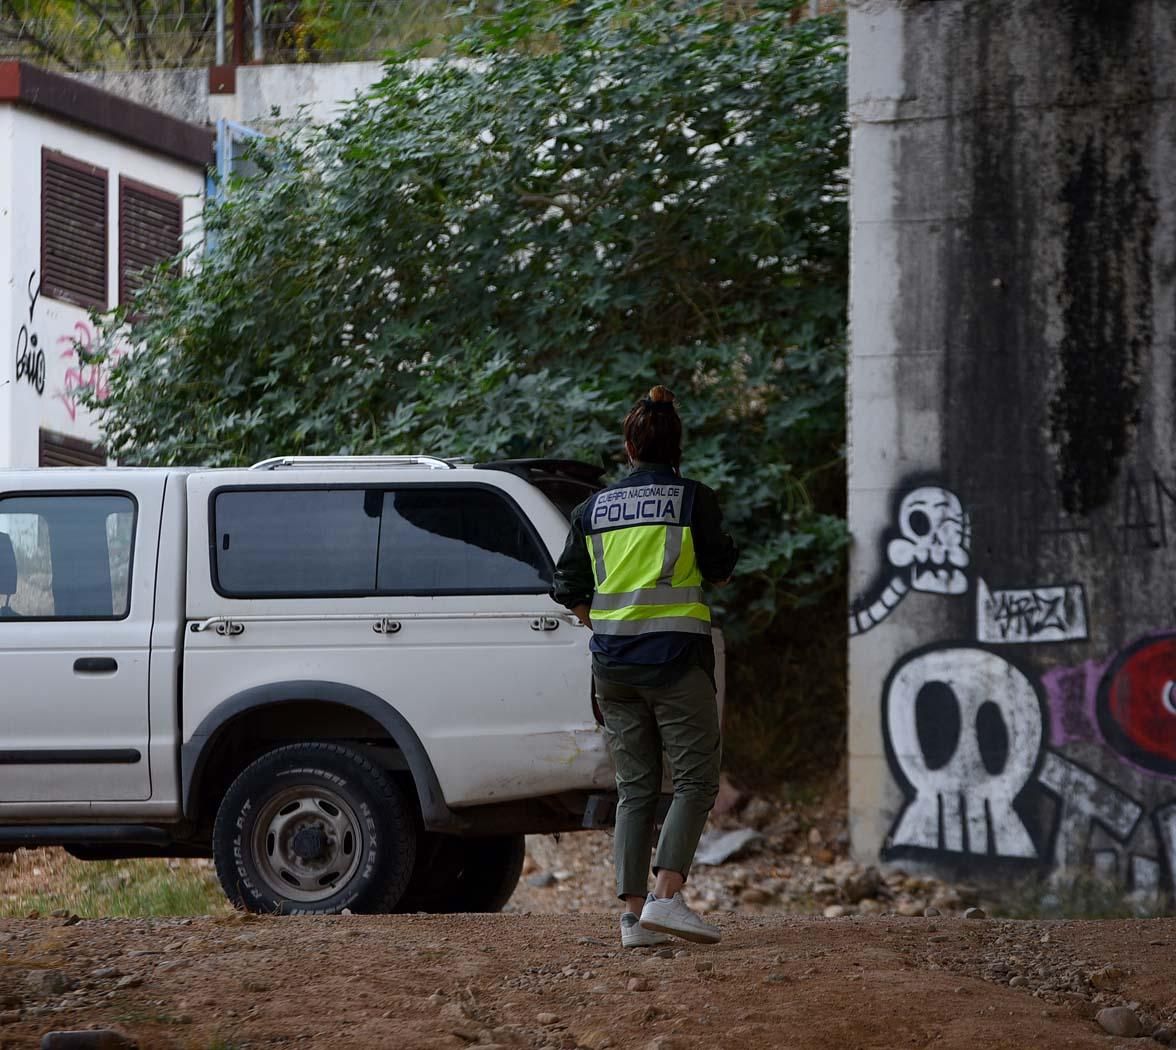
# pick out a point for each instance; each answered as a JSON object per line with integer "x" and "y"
{"x": 230, "y": 137}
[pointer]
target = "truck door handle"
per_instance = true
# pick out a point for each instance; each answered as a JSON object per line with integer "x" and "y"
{"x": 95, "y": 664}
{"x": 225, "y": 627}
{"x": 386, "y": 625}
{"x": 544, "y": 623}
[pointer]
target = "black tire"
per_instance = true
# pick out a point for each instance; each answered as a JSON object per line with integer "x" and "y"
{"x": 311, "y": 829}
{"x": 464, "y": 874}
{"x": 435, "y": 875}
{"x": 491, "y": 873}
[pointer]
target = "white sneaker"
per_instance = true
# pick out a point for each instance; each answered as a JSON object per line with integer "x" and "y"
{"x": 633, "y": 936}
{"x": 672, "y": 916}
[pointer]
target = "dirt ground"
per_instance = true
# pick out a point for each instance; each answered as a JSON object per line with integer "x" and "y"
{"x": 817, "y": 952}
{"x": 527, "y": 980}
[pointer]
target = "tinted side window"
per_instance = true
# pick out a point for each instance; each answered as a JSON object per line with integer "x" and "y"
{"x": 307, "y": 542}
{"x": 65, "y": 557}
{"x": 565, "y": 493}
{"x": 457, "y": 541}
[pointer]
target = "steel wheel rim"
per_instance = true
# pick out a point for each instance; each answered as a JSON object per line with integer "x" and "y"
{"x": 302, "y": 816}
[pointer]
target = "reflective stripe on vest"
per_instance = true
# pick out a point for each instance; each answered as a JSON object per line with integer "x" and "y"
{"x": 681, "y": 624}
{"x": 648, "y": 596}
{"x": 647, "y": 579}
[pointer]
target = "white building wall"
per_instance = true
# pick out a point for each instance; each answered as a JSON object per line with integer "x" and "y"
{"x": 316, "y": 92}
{"x": 56, "y": 326}
{"x": 8, "y": 323}
{"x": 1012, "y": 439}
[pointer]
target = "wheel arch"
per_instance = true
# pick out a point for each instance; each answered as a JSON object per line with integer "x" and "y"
{"x": 337, "y": 698}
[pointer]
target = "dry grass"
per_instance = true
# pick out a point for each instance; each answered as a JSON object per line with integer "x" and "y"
{"x": 49, "y": 880}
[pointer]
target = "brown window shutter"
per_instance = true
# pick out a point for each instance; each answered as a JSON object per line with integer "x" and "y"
{"x": 57, "y": 450}
{"x": 73, "y": 230}
{"x": 150, "y": 225}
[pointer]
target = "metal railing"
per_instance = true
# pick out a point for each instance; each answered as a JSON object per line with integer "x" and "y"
{"x": 81, "y": 35}
{"x": 115, "y": 35}
{"x": 353, "y": 462}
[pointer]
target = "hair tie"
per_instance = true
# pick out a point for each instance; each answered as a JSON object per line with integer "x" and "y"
{"x": 656, "y": 406}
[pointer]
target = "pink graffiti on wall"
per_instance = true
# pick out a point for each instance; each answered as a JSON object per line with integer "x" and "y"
{"x": 81, "y": 375}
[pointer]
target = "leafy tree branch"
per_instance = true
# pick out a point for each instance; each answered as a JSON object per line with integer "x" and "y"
{"x": 493, "y": 255}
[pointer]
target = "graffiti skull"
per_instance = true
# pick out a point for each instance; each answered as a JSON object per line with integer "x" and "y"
{"x": 934, "y": 541}
{"x": 965, "y": 729}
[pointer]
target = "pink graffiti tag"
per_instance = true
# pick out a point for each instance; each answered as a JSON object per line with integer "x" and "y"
{"x": 80, "y": 375}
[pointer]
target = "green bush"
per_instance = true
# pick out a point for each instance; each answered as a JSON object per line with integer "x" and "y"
{"x": 495, "y": 254}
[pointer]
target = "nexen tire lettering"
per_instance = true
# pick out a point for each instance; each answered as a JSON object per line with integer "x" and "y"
{"x": 303, "y": 785}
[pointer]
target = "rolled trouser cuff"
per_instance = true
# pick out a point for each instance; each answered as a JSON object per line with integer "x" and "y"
{"x": 675, "y": 848}
{"x": 684, "y": 826}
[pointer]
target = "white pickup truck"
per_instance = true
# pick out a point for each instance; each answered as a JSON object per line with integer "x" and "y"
{"x": 343, "y": 678}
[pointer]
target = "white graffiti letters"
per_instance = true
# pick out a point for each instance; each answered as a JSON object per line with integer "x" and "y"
{"x": 1082, "y": 799}
{"x": 965, "y": 729}
{"x": 1030, "y": 615}
{"x": 1164, "y": 819}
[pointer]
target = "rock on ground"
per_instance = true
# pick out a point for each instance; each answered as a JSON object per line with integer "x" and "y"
{"x": 1119, "y": 1020}
{"x": 756, "y": 854}
{"x": 92, "y": 1039}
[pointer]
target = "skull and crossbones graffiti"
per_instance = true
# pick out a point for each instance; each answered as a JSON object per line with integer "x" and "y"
{"x": 934, "y": 541}
{"x": 929, "y": 554}
{"x": 965, "y": 730}
{"x": 966, "y": 733}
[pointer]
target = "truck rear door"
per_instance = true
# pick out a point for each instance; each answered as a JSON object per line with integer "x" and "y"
{"x": 426, "y": 589}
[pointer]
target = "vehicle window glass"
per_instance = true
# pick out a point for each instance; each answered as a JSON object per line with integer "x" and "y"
{"x": 65, "y": 557}
{"x": 451, "y": 540}
{"x": 565, "y": 493}
{"x": 306, "y": 542}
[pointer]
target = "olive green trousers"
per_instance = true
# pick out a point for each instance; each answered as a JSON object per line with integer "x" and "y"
{"x": 681, "y": 719}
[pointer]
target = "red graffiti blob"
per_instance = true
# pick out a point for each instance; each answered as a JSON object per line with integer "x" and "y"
{"x": 1137, "y": 704}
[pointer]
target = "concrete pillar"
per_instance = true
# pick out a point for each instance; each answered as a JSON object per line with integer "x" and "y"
{"x": 1012, "y": 494}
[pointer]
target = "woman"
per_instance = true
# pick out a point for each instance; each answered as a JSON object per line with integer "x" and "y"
{"x": 632, "y": 570}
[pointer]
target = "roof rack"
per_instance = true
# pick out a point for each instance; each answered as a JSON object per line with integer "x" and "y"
{"x": 354, "y": 462}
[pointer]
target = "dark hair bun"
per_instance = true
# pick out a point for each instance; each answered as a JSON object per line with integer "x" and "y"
{"x": 653, "y": 431}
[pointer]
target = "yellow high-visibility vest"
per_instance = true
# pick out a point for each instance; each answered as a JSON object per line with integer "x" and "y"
{"x": 642, "y": 551}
